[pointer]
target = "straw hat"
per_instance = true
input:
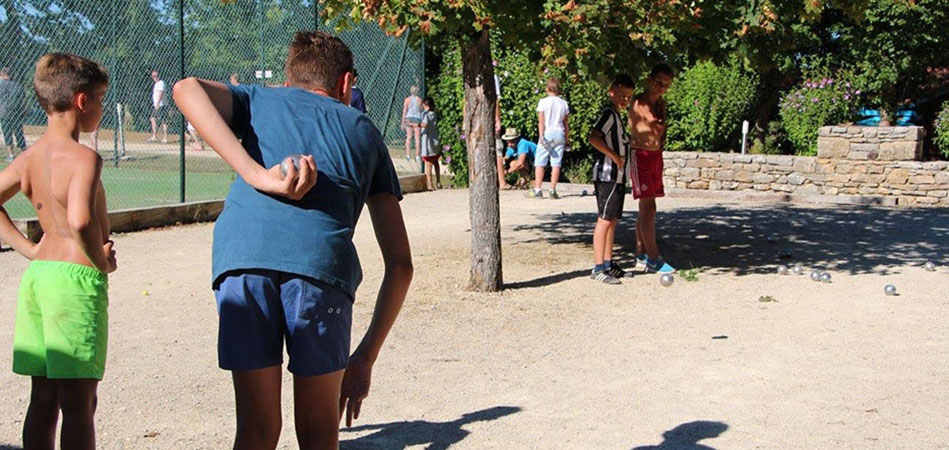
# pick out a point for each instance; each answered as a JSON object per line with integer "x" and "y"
{"x": 510, "y": 134}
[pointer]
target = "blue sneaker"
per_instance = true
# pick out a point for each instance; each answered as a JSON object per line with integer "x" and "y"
{"x": 658, "y": 266}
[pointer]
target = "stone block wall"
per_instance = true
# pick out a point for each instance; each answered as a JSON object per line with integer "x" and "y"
{"x": 854, "y": 161}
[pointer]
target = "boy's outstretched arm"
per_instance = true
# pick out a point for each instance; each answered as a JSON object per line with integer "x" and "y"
{"x": 208, "y": 105}
{"x": 9, "y": 186}
{"x": 394, "y": 242}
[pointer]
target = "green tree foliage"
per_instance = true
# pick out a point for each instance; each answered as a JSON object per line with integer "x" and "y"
{"x": 707, "y": 104}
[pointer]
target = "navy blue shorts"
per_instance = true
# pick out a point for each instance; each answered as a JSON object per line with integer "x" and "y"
{"x": 259, "y": 309}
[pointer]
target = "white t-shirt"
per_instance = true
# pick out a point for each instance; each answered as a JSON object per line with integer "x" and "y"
{"x": 554, "y": 109}
{"x": 158, "y": 98}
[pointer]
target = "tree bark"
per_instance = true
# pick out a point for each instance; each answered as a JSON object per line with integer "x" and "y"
{"x": 484, "y": 211}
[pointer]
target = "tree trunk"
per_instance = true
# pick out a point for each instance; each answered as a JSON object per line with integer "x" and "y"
{"x": 484, "y": 211}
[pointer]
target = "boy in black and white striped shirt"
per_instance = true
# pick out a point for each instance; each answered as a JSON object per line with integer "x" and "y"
{"x": 610, "y": 140}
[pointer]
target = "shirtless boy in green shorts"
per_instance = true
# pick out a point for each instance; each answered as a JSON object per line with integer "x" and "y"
{"x": 61, "y": 318}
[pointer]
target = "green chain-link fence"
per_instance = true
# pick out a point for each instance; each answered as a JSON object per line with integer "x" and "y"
{"x": 243, "y": 41}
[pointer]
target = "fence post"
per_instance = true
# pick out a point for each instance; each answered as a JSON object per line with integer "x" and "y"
{"x": 181, "y": 76}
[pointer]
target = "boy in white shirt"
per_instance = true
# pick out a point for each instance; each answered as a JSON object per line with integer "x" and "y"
{"x": 552, "y": 121}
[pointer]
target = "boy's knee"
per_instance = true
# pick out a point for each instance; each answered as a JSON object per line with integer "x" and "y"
{"x": 259, "y": 433}
{"x": 83, "y": 403}
{"x": 46, "y": 398}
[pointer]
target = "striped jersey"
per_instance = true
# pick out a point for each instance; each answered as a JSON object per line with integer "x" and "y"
{"x": 614, "y": 133}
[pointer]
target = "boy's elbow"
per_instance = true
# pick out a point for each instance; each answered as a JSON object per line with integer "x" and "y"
{"x": 401, "y": 268}
{"x": 79, "y": 223}
{"x": 183, "y": 87}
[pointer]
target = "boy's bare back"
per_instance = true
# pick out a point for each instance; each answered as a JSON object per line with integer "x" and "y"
{"x": 60, "y": 177}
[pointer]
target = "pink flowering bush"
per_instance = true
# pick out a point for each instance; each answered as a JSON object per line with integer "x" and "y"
{"x": 942, "y": 131}
{"x": 816, "y": 102}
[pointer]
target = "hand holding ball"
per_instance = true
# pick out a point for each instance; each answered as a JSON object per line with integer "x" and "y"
{"x": 285, "y": 165}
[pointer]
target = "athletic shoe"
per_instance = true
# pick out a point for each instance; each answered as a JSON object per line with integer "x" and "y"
{"x": 617, "y": 272}
{"x": 553, "y": 195}
{"x": 535, "y": 193}
{"x": 641, "y": 259}
{"x": 604, "y": 277}
{"x": 658, "y": 266}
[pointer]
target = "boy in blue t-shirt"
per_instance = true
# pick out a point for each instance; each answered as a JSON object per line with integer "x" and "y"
{"x": 520, "y": 153}
{"x": 284, "y": 264}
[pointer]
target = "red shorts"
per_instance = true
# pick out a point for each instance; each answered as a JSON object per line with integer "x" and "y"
{"x": 431, "y": 159}
{"x": 646, "y": 177}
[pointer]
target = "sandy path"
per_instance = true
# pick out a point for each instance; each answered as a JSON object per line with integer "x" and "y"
{"x": 559, "y": 362}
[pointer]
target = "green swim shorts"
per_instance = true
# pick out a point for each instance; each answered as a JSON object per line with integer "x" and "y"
{"x": 62, "y": 321}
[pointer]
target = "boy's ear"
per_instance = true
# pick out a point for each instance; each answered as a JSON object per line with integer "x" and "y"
{"x": 344, "y": 86}
{"x": 80, "y": 100}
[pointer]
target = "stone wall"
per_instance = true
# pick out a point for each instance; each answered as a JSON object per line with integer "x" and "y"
{"x": 874, "y": 162}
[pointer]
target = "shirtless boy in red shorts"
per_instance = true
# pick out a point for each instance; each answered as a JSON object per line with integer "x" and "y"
{"x": 647, "y": 125}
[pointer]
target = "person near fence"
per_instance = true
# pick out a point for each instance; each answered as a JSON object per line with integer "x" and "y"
{"x": 284, "y": 263}
{"x": 553, "y": 116}
{"x": 647, "y": 124}
{"x": 358, "y": 101}
{"x": 61, "y": 326}
{"x": 431, "y": 151}
{"x": 159, "y": 114}
{"x": 411, "y": 118}
{"x": 12, "y": 113}
{"x": 608, "y": 137}
{"x": 234, "y": 80}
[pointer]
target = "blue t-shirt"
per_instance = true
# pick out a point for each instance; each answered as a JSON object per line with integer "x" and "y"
{"x": 358, "y": 101}
{"x": 313, "y": 236}
{"x": 523, "y": 146}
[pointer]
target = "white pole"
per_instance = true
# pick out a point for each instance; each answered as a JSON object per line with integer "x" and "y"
{"x": 121, "y": 130}
{"x": 744, "y": 136}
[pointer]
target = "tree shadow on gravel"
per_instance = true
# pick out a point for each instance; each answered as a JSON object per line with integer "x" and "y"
{"x": 435, "y": 435}
{"x": 735, "y": 238}
{"x": 688, "y": 435}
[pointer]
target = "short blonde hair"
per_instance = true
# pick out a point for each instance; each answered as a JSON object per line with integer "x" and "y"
{"x": 59, "y": 76}
{"x": 553, "y": 85}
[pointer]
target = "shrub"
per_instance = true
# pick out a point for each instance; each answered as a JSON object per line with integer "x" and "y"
{"x": 707, "y": 104}
{"x": 822, "y": 99}
{"x": 448, "y": 90}
{"x": 941, "y": 127}
{"x": 774, "y": 141}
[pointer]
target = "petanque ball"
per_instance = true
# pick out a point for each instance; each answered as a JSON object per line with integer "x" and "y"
{"x": 815, "y": 275}
{"x": 825, "y": 277}
{"x": 285, "y": 165}
{"x": 889, "y": 289}
{"x": 666, "y": 279}
{"x": 782, "y": 270}
{"x": 584, "y": 193}
{"x": 798, "y": 269}
{"x": 929, "y": 266}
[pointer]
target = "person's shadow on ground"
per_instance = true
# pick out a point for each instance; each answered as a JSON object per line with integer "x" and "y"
{"x": 438, "y": 435}
{"x": 688, "y": 435}
{"x": 755, "y": 238}
{"x": 10, "y": 447}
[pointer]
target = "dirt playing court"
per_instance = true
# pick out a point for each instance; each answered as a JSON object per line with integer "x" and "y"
{"x": 558, "y": 361}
